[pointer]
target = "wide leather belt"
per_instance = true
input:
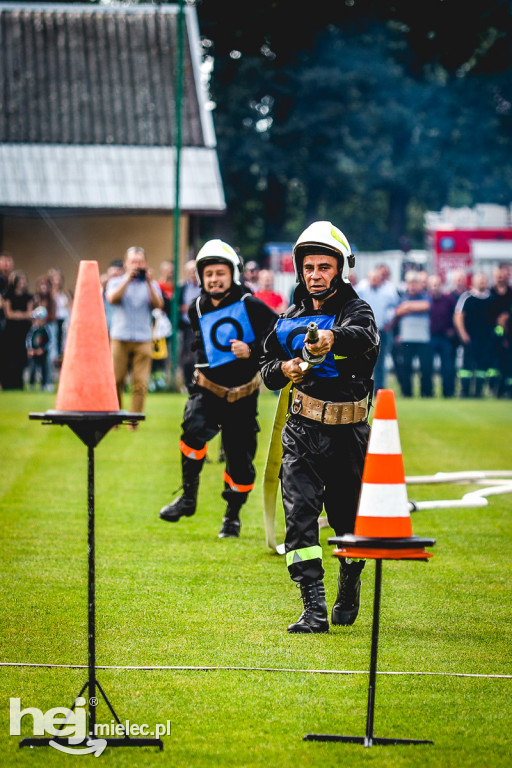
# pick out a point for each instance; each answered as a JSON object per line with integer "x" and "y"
{"x": 231, "y": 394}
{"x": 327, "y": 412}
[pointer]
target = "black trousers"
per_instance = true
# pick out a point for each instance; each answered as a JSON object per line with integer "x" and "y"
{"x": 205, "y": 416}
{"x": 423, "y": 352}
{"x": 322, "y": 466}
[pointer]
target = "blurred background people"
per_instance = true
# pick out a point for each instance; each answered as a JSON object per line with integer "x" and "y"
{"x": 265, "y": 292}
{"x": 166, "y": 284}
{"x": 189, "y": 290}
{"x": 383, "y": 298}
{"x": 6, "y": 267}
{"x": 442, "y": 333}
{"x": 43, "y": 297}
{"x": 63, "y": 300}
{"x": 501, "y": 297}
{"x": 134, "y": 295}
{"x": 115, "y": 269}
{"x": 38, "y": 343}
{"x": 413, "y": 314}
{"x": 473, "y": 319}
{"x": 251, "y": 276}
{"x": 18, "y": 306}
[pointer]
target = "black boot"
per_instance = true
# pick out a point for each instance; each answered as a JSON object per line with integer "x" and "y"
{"x": 231, "y": 524}
{"x": 184, "y": 505}
{"x": 314, "y": 616}
{"x": 230, "y": 527}
{"x": 231, "y": 521}
{"x": 346, "y": 607}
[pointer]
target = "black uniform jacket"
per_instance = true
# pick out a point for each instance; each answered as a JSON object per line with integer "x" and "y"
{"x": 355, "y": 348}
{"x": 262, "y": 319}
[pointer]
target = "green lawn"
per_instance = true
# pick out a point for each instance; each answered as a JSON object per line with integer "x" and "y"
{"x": 174, "y": 595}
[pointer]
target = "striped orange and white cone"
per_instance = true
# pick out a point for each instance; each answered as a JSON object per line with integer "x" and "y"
{"x": 383, "y": 504}
{"x": 383, "y": 522}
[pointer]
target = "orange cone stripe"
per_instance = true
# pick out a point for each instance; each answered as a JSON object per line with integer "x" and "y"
{"x": 383, "y": 527}
{"x": 380, "y": 468}
{"x": 382, "y": 554}
{"x": 236, "y": 486}
{"x": 193, "y": 453}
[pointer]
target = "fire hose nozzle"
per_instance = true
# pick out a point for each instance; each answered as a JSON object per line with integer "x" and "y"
{"x": 311, "y": 338}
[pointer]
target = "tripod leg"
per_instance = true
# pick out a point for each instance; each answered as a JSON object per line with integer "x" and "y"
{"x": 373, "y": 655}
{"x": 91, "y": 595}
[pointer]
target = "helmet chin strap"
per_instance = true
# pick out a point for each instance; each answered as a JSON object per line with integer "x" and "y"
{"x": 219, "y": 295}
{"x": 335, "y": 284}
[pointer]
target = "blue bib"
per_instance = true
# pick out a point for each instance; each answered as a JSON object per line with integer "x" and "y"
{"x": 291, "y": 332}
{"x": 218, "y": 327}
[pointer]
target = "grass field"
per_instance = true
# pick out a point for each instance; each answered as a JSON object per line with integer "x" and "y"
{"x": 176, "y": 596}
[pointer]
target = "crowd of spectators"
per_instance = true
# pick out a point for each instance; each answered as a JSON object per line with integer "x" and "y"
{"x": 461, "y": 333}
{"x": 450, "y": 340}
{"x": 32, "y": 326}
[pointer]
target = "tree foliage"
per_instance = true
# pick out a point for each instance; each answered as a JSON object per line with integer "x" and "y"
{"x": 367, "y": 112}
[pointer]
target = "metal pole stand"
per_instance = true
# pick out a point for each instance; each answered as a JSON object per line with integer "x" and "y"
{"x": 368, "y": 740}
{"x": 91, "y": 428}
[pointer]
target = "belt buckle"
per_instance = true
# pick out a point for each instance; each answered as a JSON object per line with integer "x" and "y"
{"x": 296, "y": 406}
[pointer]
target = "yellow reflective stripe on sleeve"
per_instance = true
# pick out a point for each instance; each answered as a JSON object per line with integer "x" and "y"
{"x": 299, "y": 555}
{"x": 340, "y": 357}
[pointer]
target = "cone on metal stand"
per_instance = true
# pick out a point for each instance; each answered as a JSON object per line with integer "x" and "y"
{"x": 87, "y": 402}
{"x": 86, "y": 395}
{"x": 382, "y": 531}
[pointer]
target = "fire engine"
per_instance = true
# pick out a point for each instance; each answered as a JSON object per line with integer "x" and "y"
{"x": 473, "y": 239}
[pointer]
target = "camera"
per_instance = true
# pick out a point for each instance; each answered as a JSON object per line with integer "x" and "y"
{"x": 140, "y": 274}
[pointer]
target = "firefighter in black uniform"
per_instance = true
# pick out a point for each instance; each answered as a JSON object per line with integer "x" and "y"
{"x": 474, "y": 320}
{"x": 325, "y": 436}
{"x": 229, "y": 325}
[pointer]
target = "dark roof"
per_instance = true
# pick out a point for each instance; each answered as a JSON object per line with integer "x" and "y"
{"x": 89, "y": 74}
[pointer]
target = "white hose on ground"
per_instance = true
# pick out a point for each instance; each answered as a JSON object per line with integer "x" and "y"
{"x": 457, "y": 477}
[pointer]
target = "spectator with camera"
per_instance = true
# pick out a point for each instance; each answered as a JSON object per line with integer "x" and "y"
{"x": 133, "y": 295}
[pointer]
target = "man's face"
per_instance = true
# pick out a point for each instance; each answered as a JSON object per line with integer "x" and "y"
{"x": 216, "y": 278}
{"x": 501, "y": 276}
{"x": 413, "y": 286}
{"x": 434, "y": 284}
{"x": 480, "y": 281}
{"x": 318, "y": 272}
{"x": 134, "y": 260}
{"x": 374, "y": 278}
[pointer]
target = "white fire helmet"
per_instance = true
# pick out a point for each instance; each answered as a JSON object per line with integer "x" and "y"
{"x": 326, "y": 237}
{"x": 218, "y": 252}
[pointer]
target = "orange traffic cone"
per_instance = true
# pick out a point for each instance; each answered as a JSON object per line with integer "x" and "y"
{"x": 383, "y": 523}
{"x": 87, "y": 382}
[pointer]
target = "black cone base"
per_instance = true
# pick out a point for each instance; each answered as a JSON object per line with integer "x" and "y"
{"x": 127, "y": 741}
{"x": 367, "y": 742}
{"x": 90, "y": 426}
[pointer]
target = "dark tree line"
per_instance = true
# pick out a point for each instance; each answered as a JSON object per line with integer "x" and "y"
{"x": 365, "y": 112}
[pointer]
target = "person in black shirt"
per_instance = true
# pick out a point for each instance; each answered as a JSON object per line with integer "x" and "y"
{"x": 501, "y": 297}
{"x": 473, "y": 320}
{"x": 325, "y": 437}
{"x": 18, "y": 306}
{"x": 228, "y": 324}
